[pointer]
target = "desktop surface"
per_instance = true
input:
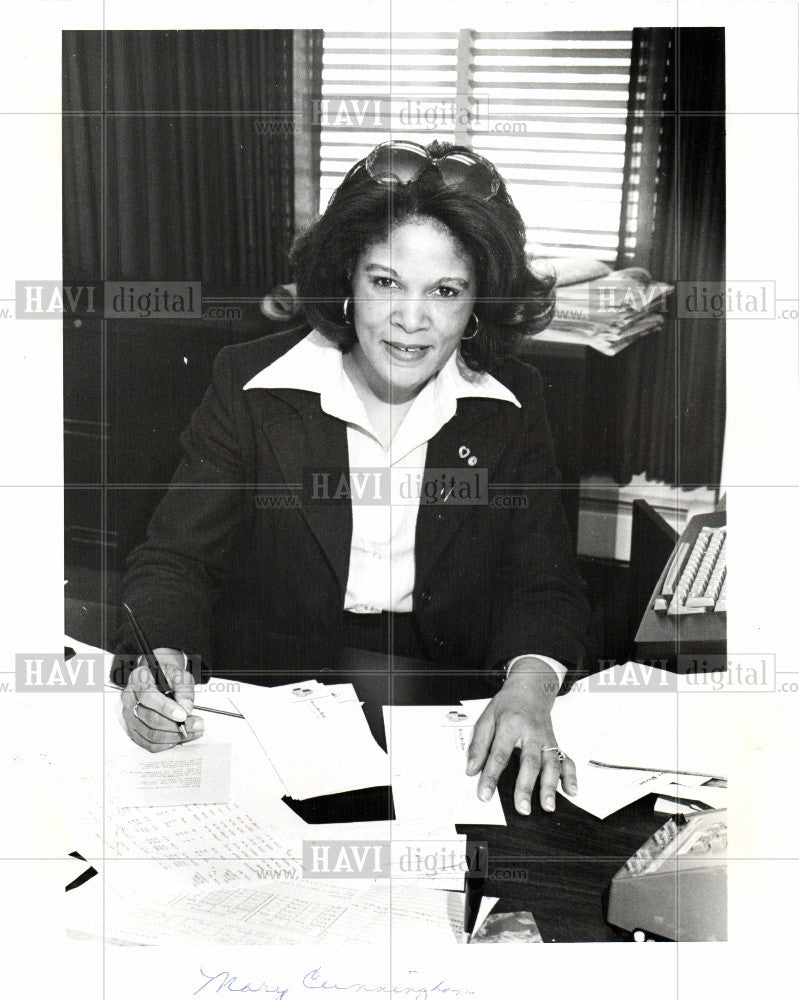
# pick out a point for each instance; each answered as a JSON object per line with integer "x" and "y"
{"x": 556, "y": 865}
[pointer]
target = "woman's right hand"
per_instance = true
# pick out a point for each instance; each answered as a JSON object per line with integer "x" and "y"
{"x": 152, "y": 719}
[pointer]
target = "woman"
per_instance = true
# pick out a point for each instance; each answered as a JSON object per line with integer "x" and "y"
{"x": 416, "y": 285}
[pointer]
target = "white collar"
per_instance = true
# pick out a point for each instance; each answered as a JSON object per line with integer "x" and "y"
{"x": 315, "y": 364}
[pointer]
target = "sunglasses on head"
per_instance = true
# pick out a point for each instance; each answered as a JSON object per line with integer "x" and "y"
{"x": 398, "y": 162}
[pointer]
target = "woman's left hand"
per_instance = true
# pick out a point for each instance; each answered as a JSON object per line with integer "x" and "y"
{"x": 521, "y": 715}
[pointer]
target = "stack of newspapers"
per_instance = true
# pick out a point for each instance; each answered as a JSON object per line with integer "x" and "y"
{"x": 609, "y": 312}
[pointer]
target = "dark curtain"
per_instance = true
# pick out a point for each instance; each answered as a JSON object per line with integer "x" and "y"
{"x": 178, "y": 165}
{"x": 658, "y": 408}
{"x": 199, "y": 158}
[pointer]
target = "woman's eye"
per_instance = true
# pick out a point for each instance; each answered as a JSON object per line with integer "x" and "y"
{"x": 447, "y": 292}
{"x": 381, "y": 281}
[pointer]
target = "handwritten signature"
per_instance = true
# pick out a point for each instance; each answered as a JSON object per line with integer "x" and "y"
{"x": 225, "y": 981}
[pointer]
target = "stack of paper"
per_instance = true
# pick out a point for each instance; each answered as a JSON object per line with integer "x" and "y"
{"x": 185, "y": 847}
{"x": 237, "y": 869}
{"x": 651, "y": 735}
{"x": 427, "y": 745}
{"x": 606, "y": 339}
{"x": 379, "y": 912}
{"x": 608, "y": 312}
{"x": 316, "y": 737}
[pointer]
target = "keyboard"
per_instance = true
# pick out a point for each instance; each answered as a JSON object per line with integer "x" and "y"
{"x": 696, "y": 581}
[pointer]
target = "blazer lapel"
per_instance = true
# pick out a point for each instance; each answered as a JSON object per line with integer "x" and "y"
{"x": 483, "y": 427}
{"x": 308, "y": 442}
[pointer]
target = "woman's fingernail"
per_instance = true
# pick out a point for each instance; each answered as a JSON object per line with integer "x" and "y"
{"x": 484, "y": 795}
{"x": 178, "y": 714}
{"x": 549, "y": 803}
{"x": 524, "y": 807}
{"x": 469, "y": 764}
{"x": 198, "y": 726}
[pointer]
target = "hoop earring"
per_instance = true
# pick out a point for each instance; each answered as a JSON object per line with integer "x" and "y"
{"x": 347, "y": 320}
{"x": 476, "y": 327}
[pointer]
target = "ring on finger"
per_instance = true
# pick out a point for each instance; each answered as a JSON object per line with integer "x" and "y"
{"x": 557, "y": 750}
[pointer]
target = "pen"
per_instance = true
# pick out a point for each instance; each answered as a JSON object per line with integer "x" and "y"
{"x": 666, "y": 770}
{"x": 218, "y": 711}
{"x": 159, "y": 677}
{"x": 474, "y": 887}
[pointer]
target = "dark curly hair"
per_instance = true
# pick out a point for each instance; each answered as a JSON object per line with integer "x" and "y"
{"x": 511, "y": 299}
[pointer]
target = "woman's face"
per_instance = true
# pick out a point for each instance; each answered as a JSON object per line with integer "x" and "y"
{"x": 413, "y": 295}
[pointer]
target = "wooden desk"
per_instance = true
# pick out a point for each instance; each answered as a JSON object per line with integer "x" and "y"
{"x": 558, "y": 866}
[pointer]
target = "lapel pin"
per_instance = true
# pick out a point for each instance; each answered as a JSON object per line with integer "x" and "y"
{"x": 463, "y": 451}
{"x": 472, "y": 460}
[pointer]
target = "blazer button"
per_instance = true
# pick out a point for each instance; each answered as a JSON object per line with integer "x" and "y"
{"x": 438, "y": 643}
{"x": 425, "y": 595}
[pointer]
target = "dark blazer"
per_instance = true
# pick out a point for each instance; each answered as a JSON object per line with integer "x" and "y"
{"x": 221, "y": 563}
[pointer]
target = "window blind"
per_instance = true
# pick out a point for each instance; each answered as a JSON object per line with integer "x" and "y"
{"x": 555, "y": 129}
{"x": 549, "y": 109}
{"x": 378, "y": 85}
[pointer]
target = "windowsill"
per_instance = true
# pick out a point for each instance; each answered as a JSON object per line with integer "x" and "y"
{"x": 605, "y": 526}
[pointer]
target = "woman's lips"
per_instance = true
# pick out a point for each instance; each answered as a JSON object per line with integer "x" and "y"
{"x": 406, "y": 352}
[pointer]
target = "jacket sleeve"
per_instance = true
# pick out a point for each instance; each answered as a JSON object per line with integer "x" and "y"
{"x": 174, "y": 578}
{"x": 543, "y": 608}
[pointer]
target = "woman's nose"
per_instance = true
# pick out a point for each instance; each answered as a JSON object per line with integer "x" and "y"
{"x": 410, "y": 313}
